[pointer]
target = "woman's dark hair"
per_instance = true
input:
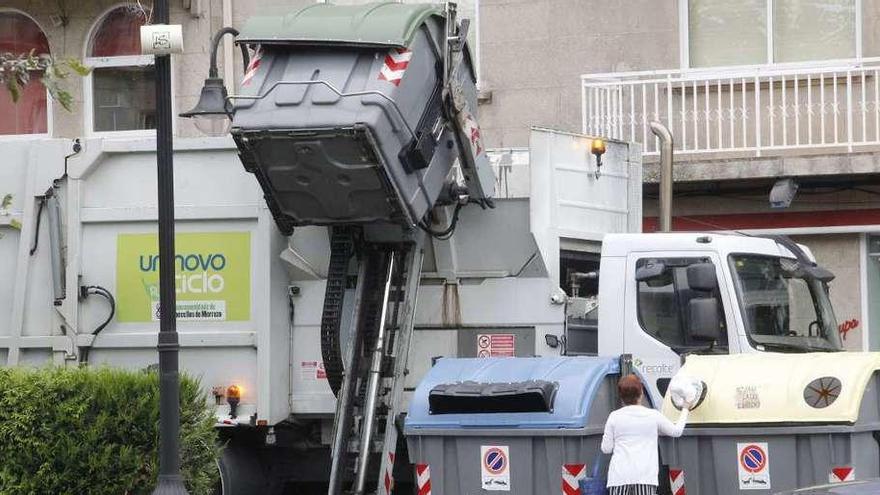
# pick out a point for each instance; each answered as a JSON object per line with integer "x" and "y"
{"x": 630, "y": 389}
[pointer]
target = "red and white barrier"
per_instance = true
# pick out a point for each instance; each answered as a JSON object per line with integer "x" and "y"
{"x": 423, "y": 479}
{"x": 389, "y": 474}
{"x": 572, "y": 474}
{"x": 676, "y": 481}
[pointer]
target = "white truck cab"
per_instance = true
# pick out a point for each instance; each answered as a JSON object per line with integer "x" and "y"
{"x": 659, "y": 300}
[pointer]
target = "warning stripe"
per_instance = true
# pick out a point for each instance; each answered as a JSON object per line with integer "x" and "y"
{"x": 472, "y": 131}
{"x": 676, "y": 481}
{"x": 394, "y": 66}
{"x": 840, "y": 474}
{"x": 252, "y": 67}
{"x": 389, "y": 474}
{"x": 572, "y": 474}
{"x": 423, "y": 479}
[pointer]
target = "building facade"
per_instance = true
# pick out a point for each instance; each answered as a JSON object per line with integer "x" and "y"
{"x": 753, "y": 91}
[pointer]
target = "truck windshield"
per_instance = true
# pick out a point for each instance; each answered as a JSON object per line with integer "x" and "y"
{"x": 782, "y": 310}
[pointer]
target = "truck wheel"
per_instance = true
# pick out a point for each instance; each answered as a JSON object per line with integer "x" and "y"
{"x": 241, "y": 473}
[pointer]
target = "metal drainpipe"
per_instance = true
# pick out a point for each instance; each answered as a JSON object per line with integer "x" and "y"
{"x": 662, "y": 132}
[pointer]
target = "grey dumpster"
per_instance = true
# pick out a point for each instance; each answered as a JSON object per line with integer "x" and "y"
{"x": 341, "y": 119}
{"x": 517, "y": 425}
{"x": 777, "y": 422}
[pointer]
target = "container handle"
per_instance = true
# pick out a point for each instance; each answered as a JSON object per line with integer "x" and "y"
{"x": 332, "y": 88}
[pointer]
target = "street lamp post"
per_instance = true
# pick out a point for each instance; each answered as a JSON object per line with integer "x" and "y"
{"x": 170, "y": 481}
{"x": 212, "y": 114}
{"x": 212, "y": 108}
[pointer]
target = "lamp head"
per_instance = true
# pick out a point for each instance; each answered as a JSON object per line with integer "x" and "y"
{"x": 212, "y": 113}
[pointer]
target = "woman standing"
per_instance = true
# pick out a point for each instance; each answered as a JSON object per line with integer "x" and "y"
{"x": 631, "y": 438}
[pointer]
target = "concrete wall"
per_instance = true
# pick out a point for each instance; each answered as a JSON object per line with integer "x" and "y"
{"x": 534, "y": 51}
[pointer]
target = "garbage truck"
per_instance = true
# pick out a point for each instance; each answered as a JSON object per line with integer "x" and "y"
{"x": 352, "y": 233}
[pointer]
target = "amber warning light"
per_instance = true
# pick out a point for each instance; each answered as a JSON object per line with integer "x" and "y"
{"x": 597, "y": 147}
{"x": 233, "y": 397}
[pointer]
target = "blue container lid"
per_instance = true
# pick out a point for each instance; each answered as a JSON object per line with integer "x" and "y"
{"x": 578, "y": 378}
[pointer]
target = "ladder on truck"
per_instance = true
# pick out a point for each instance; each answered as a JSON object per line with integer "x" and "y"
{"x": 371, "y": 390}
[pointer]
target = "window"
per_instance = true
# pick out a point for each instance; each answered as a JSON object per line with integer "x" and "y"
{"x": 747, "y": 32}
{"x": 575, "y": 270}
{"x": 814, "y": 30}
{"x": 783, "y": 309}
{"x": 663, "y": 303}
{"x": 19, "y": 34}
{"x": 727, "y": 33}
{"x": 120, "y": 91}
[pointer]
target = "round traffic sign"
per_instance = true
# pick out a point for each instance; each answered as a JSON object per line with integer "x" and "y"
{"x": 753, "y": 459}
{"x": 495, "y": 461}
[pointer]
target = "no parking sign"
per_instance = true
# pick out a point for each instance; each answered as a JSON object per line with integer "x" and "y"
{"x": 495, "y": 467}
{"x": 753, "y": 464}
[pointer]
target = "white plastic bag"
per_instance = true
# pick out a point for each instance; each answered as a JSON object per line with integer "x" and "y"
{"x": 685, "y": 390}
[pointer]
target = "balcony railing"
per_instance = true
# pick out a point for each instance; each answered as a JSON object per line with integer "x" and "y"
{"x": 741, "y": 110}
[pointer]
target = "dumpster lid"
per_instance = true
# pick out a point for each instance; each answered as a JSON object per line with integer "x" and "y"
{"x": 473, "y": 397}
{"x": 767, "y": 388}
{"x": 576, "y": 381}
{"x": 390, "y": 24}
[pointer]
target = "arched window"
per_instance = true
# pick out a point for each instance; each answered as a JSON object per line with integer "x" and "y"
{"x": 19, "y": 34}
{"x": 120, "y": 91}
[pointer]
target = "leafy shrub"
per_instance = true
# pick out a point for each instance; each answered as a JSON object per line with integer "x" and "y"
{"x": 95, "y": 431}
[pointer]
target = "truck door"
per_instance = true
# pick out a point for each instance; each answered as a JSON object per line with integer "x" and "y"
{"x": 675, "y": 306}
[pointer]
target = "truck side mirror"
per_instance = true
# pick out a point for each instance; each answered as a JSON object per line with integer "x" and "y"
{"x": 704, "y": 319}
{"x": 651, "y": 270}
{"x": 701, "y": 276}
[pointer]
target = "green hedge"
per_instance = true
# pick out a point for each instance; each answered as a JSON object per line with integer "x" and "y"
{"x": 95, "y": 431}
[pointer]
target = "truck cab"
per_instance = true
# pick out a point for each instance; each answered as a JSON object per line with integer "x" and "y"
{"x": 665, "y": 296}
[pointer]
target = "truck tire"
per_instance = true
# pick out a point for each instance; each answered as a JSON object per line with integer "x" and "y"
{"x": 241, "y": 473}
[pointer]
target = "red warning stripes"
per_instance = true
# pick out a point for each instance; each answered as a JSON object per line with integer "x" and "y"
{"x": 676, "y": 481}
{"x": 472, "y": 130}
{"x": 389, "y": 474}
{"x": 840, "y": 474}
{"x": 252, "y": 66}
{"x": 396, "y": 62}
{"x": 572, "y": 474}
{"x": 423, "y": 479}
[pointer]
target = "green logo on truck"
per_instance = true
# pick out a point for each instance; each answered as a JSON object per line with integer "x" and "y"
{"x": 212, "y": 276}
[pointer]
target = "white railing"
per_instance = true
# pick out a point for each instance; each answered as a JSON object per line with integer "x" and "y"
{"x": 752, "y": 109}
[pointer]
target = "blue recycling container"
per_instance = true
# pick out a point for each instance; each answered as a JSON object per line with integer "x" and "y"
{"x": 518, "y": 425}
